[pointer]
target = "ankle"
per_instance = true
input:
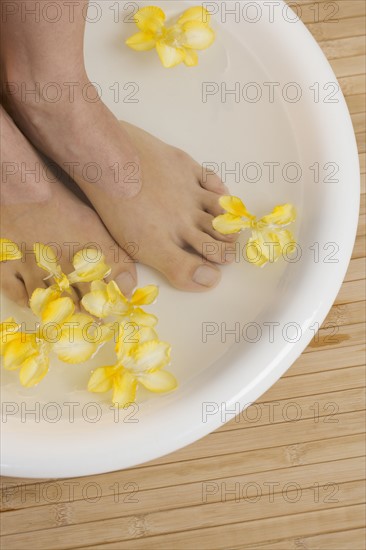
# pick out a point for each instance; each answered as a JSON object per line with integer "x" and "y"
{"x": 31, "y": 96}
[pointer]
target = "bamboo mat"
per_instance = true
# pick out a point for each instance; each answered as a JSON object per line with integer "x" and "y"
{"x": 261, "y": 481}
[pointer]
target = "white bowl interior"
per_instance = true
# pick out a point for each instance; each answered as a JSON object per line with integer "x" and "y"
{"x": 220, "y": 369}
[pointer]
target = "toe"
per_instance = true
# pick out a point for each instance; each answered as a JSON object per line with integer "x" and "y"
{"x": 211, "y": 181}
{"x": 184, "y": 270}
{"x": 123, "y": 270}
{"x": 211, "y": 249}
{"x": 210, "y": 203}
{"x": 204, "y": 222}
{"x": 13, "y": 287}
{"x": 33, "y": 279}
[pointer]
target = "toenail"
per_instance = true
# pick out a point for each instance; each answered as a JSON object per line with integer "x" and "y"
{"x": 206, "y": 276}
{"x": 126, "y": 282}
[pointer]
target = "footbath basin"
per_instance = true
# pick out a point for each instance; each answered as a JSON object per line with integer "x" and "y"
{"x": 264, "y": 110}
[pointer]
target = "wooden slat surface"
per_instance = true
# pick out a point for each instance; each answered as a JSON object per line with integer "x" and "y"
{"x": 289, "y": 473}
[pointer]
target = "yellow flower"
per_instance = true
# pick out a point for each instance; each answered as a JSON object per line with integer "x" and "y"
{"x": 75, "y": 337}
{"x": 46, "y": 259}
{"x": 47, "y": 304}
{"x": 89, "y": 265}
{"x": 106, "y": 300}
{"x": 139, "y": 363}
{"x": 30, "y": 351}
{"x": 9, "y": 251}
{"x": 8, "y": 332}
{"x": 269, "y": 239}
{"x": 176, "y": 43}
{"x": 80, "y": 339}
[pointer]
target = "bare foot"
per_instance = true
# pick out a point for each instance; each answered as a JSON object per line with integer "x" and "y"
{"x": 38, "y": 208}
{"x": 169, "y": 218}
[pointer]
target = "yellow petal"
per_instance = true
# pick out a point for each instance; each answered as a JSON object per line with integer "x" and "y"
{"x": 190, "y": 58}
{"x": 124, "y": 389}
{"x": 141, "y": 41}
{"x": 226, "y": 224}
{"x": 82, "y": 259}
{"x": 89, "y": 266}
{"x": 46, "y": 258}
{"x": 41, "y": 297}
{"x": 58, "y": 311}
{"x": 99, "y": 285}
{"x": 234, "y": 206}
{"x": 149, "y": 356}
{"x": 130, "y": 336}
{"x": 286, "y": 239}
{"x": 150, "y": 19}
{"x": 8, "y": 332}
{"x": 272, "y": 243}
{"x": 101, "y": 379}
{"x": 254, "y": 252}
{"x": 197, "y": 13}
{"x": 280, "y": 216}
{"x": 108, "y": 300}
{"x": 118, "y": 308}
{"x": 116, "y": 297}
{"x": 143, "y": 319}
{"x": 169, "y": 56}
{"x": 74, "y": 346}
{"x": 82, "y": 320}
{"x": 19, "y": 350}
{"x": 33, "y": 370}
{"x": 198, "y": 35}
{"x": 159, "y": 381}
{"x": 107, "y": 332}
{"x": 9, "y": 250}
{"x": 146, "y": 334}
{"x": 144, "y": 296}
{"x": 95, "y": 302}
{"x": 91, "y": 330}
{"x": 264, "y": 247}
{"x": 62, "y": 281}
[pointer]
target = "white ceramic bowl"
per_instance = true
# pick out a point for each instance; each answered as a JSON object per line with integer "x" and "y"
{"x": 216, "y": 373}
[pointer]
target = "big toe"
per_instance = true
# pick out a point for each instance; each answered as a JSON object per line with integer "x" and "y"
{"x": 185, "y": 270}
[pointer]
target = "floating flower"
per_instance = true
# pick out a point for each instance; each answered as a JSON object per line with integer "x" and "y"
{"x": 176, "y": 43}
{"x": 8, "y": 332}
{"x": 30, "y": 355}
{"x": 80, "y": 339}
{"x": 269, "y": 238}
{"x": 50, "y": 307}
{"x": 46, "y": 259}
{"x": 89, "y": 265}
{"x": 105, "y": 300}
{"x": 76, "y": 337}
{"x": 30, "y": 351}
{"x": 9, "y": 251}
{"x": 139, "y": 363}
